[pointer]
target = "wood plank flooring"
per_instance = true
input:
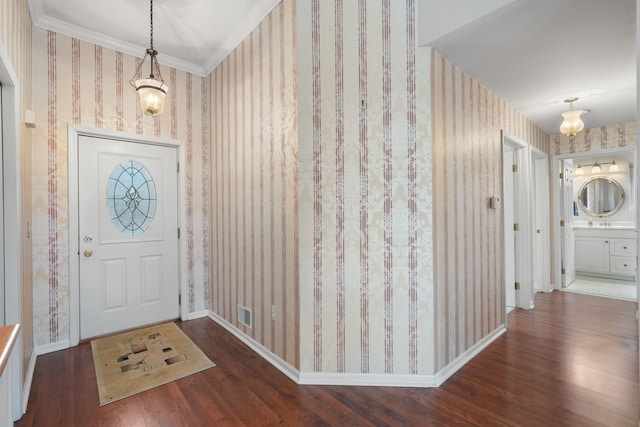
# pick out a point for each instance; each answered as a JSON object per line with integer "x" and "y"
{"x": 572, "y": 361}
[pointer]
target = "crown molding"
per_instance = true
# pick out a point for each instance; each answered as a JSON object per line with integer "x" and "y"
{"x": 53, "y": 24}
{"x": 257, "y": 13}
{"x": 251, "y": 20}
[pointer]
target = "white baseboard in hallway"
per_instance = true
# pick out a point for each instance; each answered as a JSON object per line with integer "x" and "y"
{"x": 620, "y": 289}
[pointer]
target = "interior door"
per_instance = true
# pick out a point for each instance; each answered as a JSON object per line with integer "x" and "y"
{"x": 128, "y": 232}
{"x": 541, "y": 248}
{"x": 509, "y": 206}
{"x": 569, "y": 257}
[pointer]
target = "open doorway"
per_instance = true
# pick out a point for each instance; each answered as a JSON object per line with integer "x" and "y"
{"x": 541, "y": 222}
{"x": 517, "y": 223}
{"x": 600, "y": 218}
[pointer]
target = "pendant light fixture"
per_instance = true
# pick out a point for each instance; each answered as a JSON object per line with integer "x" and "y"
{"x": 151, "y": 90}
{"x": 572, "y": 124}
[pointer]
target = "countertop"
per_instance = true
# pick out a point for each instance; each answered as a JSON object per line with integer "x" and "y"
{"x": 8, "y": 337}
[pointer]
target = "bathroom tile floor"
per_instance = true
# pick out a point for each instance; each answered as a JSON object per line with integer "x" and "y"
{"x": 620, "y": 289}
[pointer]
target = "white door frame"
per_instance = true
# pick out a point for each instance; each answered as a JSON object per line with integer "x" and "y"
{"x": 558, "y": 208}
{"x": 12, "y": 185}
{"x": 545, "y": 261}
{"x": 524, "y": 298}
{"x": 74, "y": 133}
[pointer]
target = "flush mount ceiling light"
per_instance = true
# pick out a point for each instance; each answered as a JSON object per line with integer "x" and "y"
{"x": 151, "y": 91}
{"x": 572, "y": 124}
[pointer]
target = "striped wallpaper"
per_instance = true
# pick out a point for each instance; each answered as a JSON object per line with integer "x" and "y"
{"x": 467, "y": 119}
{"x": 254, "y": 187}
{"x": 599, "y": 138}
{"x": 15, "y": 37}
{"x": 365, "y": 189}
{"x": 80, "y": 83}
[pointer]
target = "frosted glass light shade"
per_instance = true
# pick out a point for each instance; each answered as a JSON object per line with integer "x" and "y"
{"x": 579, "y": 171}
{"x": 614, "y": 168}
{"x": 152, "y": 94}
{"x": 572, "y": 123}
{"x": 595, "y": 168}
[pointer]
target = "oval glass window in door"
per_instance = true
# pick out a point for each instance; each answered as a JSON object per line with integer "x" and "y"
{"x": 131, "y": 198}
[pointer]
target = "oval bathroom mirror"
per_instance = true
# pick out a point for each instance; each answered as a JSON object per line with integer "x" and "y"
{"x": 601, "y": 196}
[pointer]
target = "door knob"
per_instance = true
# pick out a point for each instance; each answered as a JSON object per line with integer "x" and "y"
{"x": 88, "y": 252}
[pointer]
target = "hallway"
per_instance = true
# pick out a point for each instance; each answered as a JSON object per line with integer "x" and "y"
{"x": 571, "y": 361}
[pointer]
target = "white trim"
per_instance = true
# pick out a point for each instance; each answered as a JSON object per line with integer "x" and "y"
{"x": 356, "y": 379}
{"x": 367, "y": 380}
{"x": 262, "y": 351}
{"x": 556, "y": 204}
{"x": 12, "y": 183}
{"x": 26, "y": 389}
{"x": 249, "y": 22}
{"x": 197, "y": 315}
{"x": 47, "y": 23}
{"x": 535, "y": 156}
{"x": 51, "y": 347}
{"x": 594, "y": 153}
{"x": 401, "y": 380}
{"x": 74, "y": 132}
{"x": 524, "y": 250}
{"x": 464, "y": 358}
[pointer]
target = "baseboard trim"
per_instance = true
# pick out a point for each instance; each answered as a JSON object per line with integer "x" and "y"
{"x": 444, "y": 374}
{"x": 197, "y": 314}
{"x": 356, "y": 379}
{"x": 267, "y": 355}
{"x": 26, "y": 388}
{"x": 378, "y": 380}
{"x": 50, "y": 348}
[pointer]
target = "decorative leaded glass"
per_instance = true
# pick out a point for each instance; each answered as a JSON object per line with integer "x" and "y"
{"x": 131, "y": 198}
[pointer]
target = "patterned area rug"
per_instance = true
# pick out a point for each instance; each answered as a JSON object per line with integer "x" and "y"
{"x": 139, "y": 360}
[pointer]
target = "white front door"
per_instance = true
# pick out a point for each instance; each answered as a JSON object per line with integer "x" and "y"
{"x": 128, "y": 234}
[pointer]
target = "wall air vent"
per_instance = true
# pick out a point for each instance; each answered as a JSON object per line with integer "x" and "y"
{"x": 244, "y": 316}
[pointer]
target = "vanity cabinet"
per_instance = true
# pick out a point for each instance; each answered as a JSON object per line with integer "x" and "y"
{"x": 605, "y": 252}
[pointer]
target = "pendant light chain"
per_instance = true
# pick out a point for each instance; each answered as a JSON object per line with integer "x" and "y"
{"x": 151, "y": 90}
{"x": 151, "y": 20}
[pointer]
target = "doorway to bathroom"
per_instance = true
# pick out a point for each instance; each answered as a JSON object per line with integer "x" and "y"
{"x": 597, "y": 230}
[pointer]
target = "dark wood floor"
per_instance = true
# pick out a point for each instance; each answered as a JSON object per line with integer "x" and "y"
{"x": 573, "y": 361}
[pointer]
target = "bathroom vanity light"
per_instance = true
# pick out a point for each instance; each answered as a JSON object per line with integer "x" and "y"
{"x": 597, "y": 168}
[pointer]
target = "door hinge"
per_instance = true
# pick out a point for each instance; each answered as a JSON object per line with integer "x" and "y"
{"x": 178, "y": 232}
{"x": 562, "y": 223}
{"x": 561, "y": 175}
{"x": 563, "y": 271}
{"x": 177, "y": 166}
{"x": 516, "y": 227}
{"x": 179, "y": 299}
{"x": 517, "y": 286}
{"x": 514, "y": 168}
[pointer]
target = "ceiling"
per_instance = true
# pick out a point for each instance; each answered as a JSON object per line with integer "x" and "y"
{"x": 536, "y": 53}
{"x": 531, "y": 53}
{"x": 191, "y": 35}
